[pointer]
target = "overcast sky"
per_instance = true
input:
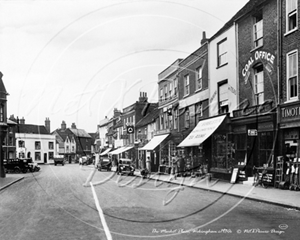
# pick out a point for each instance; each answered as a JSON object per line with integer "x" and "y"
{"x": 78, "y": 60}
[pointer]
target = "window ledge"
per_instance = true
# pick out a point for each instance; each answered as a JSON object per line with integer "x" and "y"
{"x": 256, "y": 48}
{"x": 290, "y": 32}
{"x": 185, "y": 96}
{"x": 222, "y": 65}
{"x": 198, "y": 90}
{"x": 292, "y": 100}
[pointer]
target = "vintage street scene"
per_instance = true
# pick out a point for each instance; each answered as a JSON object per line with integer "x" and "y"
{"x": 149, "y": 119}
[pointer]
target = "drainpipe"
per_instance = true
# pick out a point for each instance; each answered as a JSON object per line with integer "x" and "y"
{"x": 279, "y": 70}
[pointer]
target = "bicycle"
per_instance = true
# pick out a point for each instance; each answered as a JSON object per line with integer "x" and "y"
{"x": 259, "y": 177}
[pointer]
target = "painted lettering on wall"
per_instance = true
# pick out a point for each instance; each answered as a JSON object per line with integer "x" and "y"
{"x": 258, "y": 55}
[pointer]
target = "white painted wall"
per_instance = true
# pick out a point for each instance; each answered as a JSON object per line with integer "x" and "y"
{"x": 226, "y": 72}
{"x": 30, "y": 140}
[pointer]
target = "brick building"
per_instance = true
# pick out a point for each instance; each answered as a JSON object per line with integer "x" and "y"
{"x": 254, "y": 120}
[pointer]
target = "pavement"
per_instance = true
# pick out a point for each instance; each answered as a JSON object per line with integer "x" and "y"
{"x": 285, "y": 198}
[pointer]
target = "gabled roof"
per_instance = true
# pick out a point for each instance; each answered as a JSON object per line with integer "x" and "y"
{"x": 79, "y": 132}
{"x": 150, "y": 117}
{"x": 62, "y": 133}
{"x": 30, "y": 128}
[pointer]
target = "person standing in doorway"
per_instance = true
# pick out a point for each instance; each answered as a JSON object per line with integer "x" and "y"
{"x": 148, "y": 165}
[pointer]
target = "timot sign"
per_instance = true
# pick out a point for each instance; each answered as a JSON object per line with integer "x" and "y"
{"x": 258, "y": 55}
{"x": 292, "y": 112}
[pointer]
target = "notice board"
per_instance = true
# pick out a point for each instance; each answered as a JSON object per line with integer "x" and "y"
{"x": 234, "y": 175}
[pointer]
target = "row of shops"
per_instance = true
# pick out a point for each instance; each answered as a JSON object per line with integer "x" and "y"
{"x": 253, "y": 137}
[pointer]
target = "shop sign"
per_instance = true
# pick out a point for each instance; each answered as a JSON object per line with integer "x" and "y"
{"x": 252, "y": 132}
{"x": 258, "y": 55}
{"x": 290, "y": 112}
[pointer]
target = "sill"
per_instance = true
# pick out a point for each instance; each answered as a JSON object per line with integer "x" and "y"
{"x": 222, "y": 65}
{"x": 290, "y": 32}
{"x": 291, "y": 100}
{"x": 198, "y": 90}
{"x": 185, "y": 96}
{"x": 255, "y": 49}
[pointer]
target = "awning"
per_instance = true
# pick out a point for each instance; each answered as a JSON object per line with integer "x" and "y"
{"x": 105, "y": 152}
{"x": 154, "y": 142}
{"x": 202, "y": 131}
{"x": 120, "y": 150}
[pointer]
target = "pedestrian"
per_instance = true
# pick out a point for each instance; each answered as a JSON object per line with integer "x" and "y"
{"x": 80, "y": 160}
{"x": 174, "y": 170}
{"x": 148, "y": 165}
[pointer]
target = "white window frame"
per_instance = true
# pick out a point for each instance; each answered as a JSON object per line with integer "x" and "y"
{"x": 258, "y": 85}
{"x": 199, "y": 78}
{"x": 222, "y": 52}
{"x": 186, "y": 84}
{"x": 290, "y": 75}
{"x": 170, "y": 90}
{"x": 291, "y": 12}
{"x": 161, "y": 94}
{"x": 258, "y": 33}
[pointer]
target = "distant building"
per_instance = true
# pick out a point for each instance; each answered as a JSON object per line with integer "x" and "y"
{"x": 34, "y": 141}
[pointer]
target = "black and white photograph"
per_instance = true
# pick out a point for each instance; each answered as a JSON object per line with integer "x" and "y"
{"x": 149, "y": 119}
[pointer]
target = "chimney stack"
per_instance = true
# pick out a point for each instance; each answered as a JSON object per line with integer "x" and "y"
{"x": 63, "y": 125}
{"x": 22, "y": 121}
{"x": 47, "y": 124}
{"x": 73, "y": 126}
{"x": 143, "y": 97}
{"x": 204, "y": 39}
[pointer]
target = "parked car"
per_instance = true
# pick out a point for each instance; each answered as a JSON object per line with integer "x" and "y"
{"x": 85, "y": 160}
{"x": 104, "y": 163}
{"x": 59, "y": 160}
{"x": 125, "y": 166}
{"x": 16, "y": 165}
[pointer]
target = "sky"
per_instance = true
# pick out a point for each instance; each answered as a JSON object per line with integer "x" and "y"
{"x": 75, "y": 61}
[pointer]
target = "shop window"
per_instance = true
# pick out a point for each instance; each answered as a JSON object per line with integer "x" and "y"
{"x": 37, "y": 156}
{"x": 37, "y": 145}
{"x": 258, "y": 84}
{"x": 222, "y": 52}
{"x": 258, "y": 31}
{"x": 223, "y": 98}
{"x": 265, "y": 147}
{"x": 199, "y": 78}
{"x": 186, "y": 85}
{"x": 292, "y": 75}
{"x": 291, "y": 15}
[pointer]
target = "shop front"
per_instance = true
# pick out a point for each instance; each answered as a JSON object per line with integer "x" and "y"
{"x": 204, "y": 149}
{"x": 289, "y": 131}
{"x": 254, "y": 135}
{"x": 157, "y": 149}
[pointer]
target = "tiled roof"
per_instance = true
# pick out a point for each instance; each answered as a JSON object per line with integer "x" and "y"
{"x": 149, "y": 118}
{"x": 30, "y": 128}
{"x": 80, "y": 132}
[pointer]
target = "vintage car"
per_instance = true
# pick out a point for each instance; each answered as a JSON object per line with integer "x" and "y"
{"x": 125, "y": 166}
{"x": 17, "y": 165}
{"x": 59, "y": 160}
{"x": 104, "y": 163}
